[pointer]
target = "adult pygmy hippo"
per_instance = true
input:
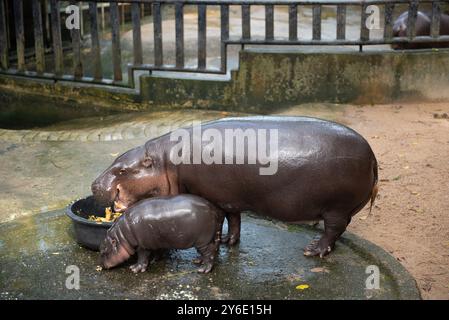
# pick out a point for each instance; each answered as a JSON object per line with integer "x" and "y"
{"x": 422, "y": 28}
{"x": 178, "y": 222}
{"x": 324, "y": 171}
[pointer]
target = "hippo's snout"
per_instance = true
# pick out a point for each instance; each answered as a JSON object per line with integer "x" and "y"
{"x": 99, "y": 194}
{"x": 102, "y": 191}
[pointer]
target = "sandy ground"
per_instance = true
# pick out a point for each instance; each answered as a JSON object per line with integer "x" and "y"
{"x": 411, "y": 217}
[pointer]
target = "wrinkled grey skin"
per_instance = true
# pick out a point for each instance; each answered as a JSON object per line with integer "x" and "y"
{"x": 422, "y": 28}
{"x": 178, "y": 222}
{"x": 326, "y": 172}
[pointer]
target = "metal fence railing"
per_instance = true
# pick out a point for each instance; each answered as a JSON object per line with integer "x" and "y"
{"x": 48, "y": 58}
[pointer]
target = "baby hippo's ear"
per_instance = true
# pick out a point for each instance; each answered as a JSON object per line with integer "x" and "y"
{"x": 114, "y": 244}
{"x": 147, "y": 162}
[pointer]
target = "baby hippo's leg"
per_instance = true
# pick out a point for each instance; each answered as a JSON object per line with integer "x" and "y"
{"x": 143, "y": 258}
{"x": 217, "y": 240}
{"x": 207, "y": 256}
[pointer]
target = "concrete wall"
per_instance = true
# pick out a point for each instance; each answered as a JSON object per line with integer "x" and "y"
{"x": 268, "y": 80}
{"x": 265, "y": 80}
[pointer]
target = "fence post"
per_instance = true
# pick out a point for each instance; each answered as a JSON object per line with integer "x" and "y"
{"x": 201, "y": 36}
{"x": 316, "y": 22}
{"x": 341, "y": 22}
{"x": 157, "y": 21}
{"x": 20, "y": 36}
{"x": 179, "y": 30}
{"x": 269, "y": 22}
{"x": 96, "y": 54}
{"x": 224, "y": 12}
{"x": 436, "y": 13}
{"x": 56, "y": 34}
{"x": 4, "y": 56}
{"x": 116, "y": 49}
{"x": 293, "y": 22}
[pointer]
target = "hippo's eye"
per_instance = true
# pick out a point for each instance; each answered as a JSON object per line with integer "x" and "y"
{"x": 122, "y": 171}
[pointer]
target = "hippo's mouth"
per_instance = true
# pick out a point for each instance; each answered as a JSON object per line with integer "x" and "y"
{"x": 119, "y": 205}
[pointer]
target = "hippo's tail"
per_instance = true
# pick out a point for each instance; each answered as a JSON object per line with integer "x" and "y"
{"x": 375, "y": 187}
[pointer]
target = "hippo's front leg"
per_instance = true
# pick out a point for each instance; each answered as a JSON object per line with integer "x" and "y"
{"x": 234, "y": 222}
{"x": 143, "y": 259}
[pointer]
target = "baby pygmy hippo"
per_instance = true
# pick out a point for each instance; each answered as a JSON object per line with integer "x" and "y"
{"x": 177, "y": 222}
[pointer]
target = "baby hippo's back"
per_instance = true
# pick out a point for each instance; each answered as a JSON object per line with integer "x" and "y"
{"x": 175, "y": 222}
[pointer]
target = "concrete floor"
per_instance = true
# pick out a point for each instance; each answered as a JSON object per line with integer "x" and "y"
{"x": 268, "y": 264}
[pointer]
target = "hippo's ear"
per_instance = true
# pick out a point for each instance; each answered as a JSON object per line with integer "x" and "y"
{"x": 147, "y": 162}
{"x": 114, "y": 244}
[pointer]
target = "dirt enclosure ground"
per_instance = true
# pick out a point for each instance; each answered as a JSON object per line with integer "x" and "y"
{"x": 411, "y": 215}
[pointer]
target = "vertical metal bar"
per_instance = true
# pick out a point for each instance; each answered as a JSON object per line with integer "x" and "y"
{"x": 103, "y": 22}
{"x": 80, "y": 4}
{"x": 38, "y": 36}
{"x": 269, "y": 22}
{"x": 76, "y": 47}
{"x": 122, "y": 5}
{"x": 137, "y": 36}
{"x": 364, "y": 31}
{"x": 20, "y": 36}
{"x": 224, "y": 10}
{"x": 4, "y": 59}
{"x": 436, "y": 14}
{"x": 116, "y": 49}
{"x": 293, "y": 22}
{"x": 47, "y": 15}
{"x": 56, "y": 35}
{"x": 341, "y": 22}
{"x": 388, "y": 29}
{"x": 96, "y": 54}
{"x": 246, "y": 21}
{"x": 157, "y": 21}
{"x": 412, "y": 14}
{"x": 201, "y": 36}
{"x": 316, "y": 11}
{"x": 179, "y": 29}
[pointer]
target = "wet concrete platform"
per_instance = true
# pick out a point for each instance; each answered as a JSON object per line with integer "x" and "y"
{"x": 268, "y": 264}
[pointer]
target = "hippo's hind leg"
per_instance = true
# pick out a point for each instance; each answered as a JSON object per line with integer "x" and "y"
{"x": 143, "y": 259}
{"x": 334, "y": 225}
{"x": 234, "y": 222}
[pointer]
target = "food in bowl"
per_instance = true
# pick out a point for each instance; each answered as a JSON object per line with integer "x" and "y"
{"x": 109, "y": 216}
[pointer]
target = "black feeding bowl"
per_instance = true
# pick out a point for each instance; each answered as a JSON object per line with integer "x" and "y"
{"x": 89, "y": 234}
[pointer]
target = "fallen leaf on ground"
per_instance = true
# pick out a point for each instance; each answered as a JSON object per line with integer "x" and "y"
{"x": 114, "y": 154}
{"x": 302, "y": 287}
{"x": 319, "y": 269}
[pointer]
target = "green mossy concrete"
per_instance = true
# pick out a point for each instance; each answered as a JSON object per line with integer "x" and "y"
{"x": 103, "y": 98}
{"x": 267, "y": 80}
